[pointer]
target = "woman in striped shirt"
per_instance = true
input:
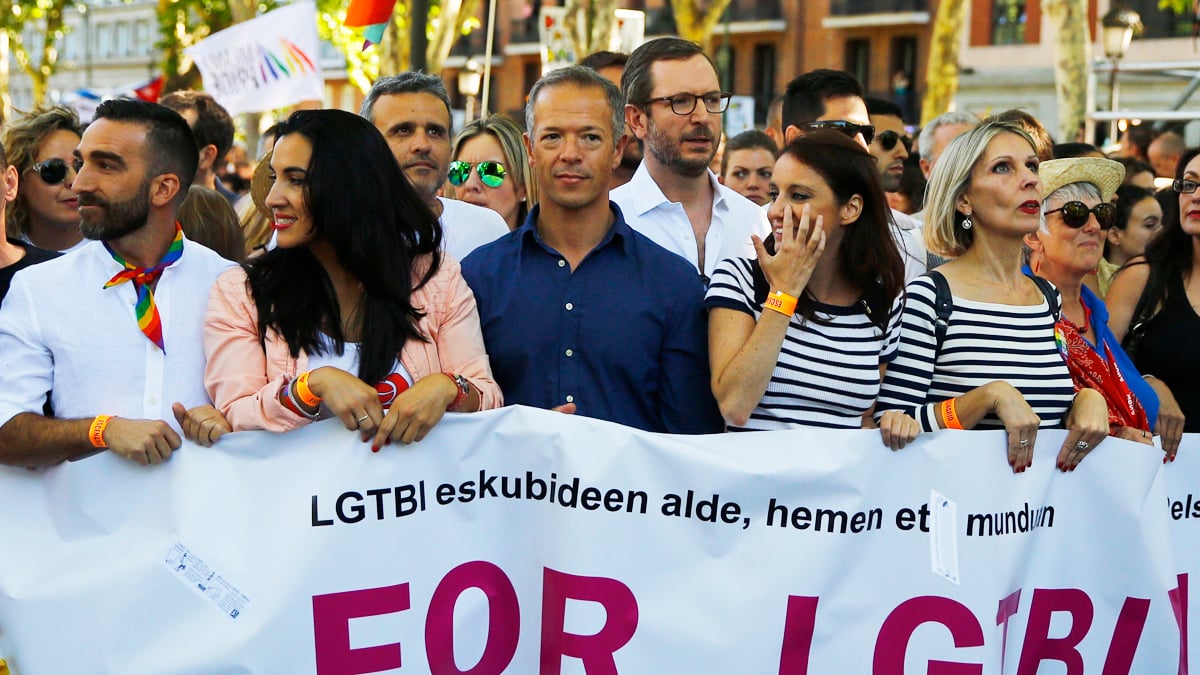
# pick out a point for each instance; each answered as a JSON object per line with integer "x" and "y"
{"x": 992, "y": 362}
{"x": 799, "y": 336}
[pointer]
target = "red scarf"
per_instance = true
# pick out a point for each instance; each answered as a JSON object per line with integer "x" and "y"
{"x": 1091, "y": 371}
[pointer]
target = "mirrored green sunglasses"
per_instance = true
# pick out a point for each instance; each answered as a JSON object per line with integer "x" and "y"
{"x": 491, "y": 173}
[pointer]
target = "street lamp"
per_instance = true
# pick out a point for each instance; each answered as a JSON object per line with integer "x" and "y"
{"x": 469, "y": 79}
{"x": 1118, "y": 27}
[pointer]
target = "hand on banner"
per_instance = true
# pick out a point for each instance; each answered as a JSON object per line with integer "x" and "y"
{"x": 1020, "y": 422}
{"x": 898, "y": 429}
{"x": 353, "y": 401}
{"x": 142, "y": 441}
{"x": 1087, "y": 425}
{"x": 417, "y": 410}
{"x": 566, "y": 408}
{"x": 203, "y": 424}
{"x": 1170, "y": 417}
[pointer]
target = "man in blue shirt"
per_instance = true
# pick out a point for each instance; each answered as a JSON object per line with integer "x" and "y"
{"x": 579, "y": 312}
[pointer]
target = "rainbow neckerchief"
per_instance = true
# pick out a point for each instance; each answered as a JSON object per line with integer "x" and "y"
{"x": 147, "y": 313}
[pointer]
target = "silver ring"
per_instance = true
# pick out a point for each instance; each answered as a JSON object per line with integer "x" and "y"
{"x": 364, "y": 417}
{"x": 1024, "y": 442}
{"x": 1082, "y": 445}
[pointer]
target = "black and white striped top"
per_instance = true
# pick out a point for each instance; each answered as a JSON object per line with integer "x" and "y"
{"x": 827, "y": 374}
{"x": 984, "y": 342}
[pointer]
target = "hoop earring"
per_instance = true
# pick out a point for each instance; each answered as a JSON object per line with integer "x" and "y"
{"x": 966, "y": 223}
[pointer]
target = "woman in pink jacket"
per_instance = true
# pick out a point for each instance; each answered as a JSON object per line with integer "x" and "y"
{"x": 356, "y": 314}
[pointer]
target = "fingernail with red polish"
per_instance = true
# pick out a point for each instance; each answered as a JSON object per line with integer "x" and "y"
{"x": 374, "y": 448}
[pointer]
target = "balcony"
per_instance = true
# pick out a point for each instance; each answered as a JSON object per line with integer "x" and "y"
{"x": 859, "y": 7}
{"x": 754, "y": 10}
{"x": 524, "y": 31}
{"x": 472, "y": 44}
{"x": 861, "y": 13}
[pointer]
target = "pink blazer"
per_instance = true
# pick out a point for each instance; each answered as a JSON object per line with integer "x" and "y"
{"x": 244, "y": 374}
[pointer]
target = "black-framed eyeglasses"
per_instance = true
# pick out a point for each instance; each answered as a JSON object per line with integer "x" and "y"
{"x": 52, "y": 171}
{"x": 490, "y": 173}
{"x": 1184, "y": 186}
{"x": 850, "y": 129}
{"x": 1075, "y": 214}
{"x": 888, "y": 139}
{"x": 715, "y": 102}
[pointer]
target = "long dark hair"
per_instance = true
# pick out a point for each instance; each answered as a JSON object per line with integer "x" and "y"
{"x": 381, "y": 231}
{"x": 1169, "y": 253}
{"x": 868, "y": 255}
{"x": 1128, "y": 197}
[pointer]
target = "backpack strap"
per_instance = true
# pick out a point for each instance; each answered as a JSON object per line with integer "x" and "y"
{"x": 943, "y": 306}
{"x": 1052, "y": 297}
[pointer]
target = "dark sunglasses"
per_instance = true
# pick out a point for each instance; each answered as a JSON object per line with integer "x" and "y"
{"x": 888, "y": 139}
{"x": 52, "y": 171}
{"x": 850, "y": 129}
{"x": 1075, "y": 214}
{"x": 1184, "y": 186}
{"x": 491, "y": 173}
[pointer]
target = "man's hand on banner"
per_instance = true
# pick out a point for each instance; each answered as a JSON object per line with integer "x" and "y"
{"x": 203, "y": 424}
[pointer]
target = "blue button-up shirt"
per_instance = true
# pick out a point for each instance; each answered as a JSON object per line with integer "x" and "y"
{"x": 623, "y": 336}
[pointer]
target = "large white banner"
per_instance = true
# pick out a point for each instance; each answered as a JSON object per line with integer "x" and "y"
{"x": 525, "y": 541}
{"x": 266, "y": 63}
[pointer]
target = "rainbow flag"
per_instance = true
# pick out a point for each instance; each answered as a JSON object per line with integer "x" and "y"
{"x": 370, "y": 15}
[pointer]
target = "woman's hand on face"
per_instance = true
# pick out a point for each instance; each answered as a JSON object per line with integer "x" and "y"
{"x": 898, "y": 429}
{"x": 1170, "y": 418}
{"x": 796, "y": 253}
{"x": 353, "y": 401}
{"x": 1019, "y": 421}
{"x": 416, "y": 410}
{"x": 1087, "y": 425}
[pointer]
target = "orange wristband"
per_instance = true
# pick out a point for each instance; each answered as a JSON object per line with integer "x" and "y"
{"x": 781, "y": 302}
{"x": 96, "y": 432}
{"x": 307, "y": 397}
{"x": 950, "y": 414}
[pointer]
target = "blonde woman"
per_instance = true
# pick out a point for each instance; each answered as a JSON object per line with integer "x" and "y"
{"x": 490, "y": 168}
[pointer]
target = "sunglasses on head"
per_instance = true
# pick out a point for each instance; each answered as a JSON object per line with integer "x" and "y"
{"x": 490, "y": 173}
{"x": 1075, "y": 214}
{"x": 850, "y": 129}
{"x": 888, "y": 139}
{"x": 52, "y": 171}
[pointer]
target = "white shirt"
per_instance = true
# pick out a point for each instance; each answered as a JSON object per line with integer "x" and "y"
{"x": 734, "y": 219}
{"x": 61, "y": 331}
{"x": 466, "y": 227}
{"x": 910, "y": 239}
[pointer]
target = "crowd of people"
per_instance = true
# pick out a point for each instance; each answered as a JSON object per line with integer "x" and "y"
{"x": 615, "y": 258}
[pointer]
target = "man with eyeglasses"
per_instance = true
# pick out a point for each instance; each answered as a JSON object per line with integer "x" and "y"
{"x": 673, "y": 106}
{"x": 834, "y": 99}
{"x": 579, "y": 312}
{"x": 412, "y": 111}
{"x": 890, "y": 148}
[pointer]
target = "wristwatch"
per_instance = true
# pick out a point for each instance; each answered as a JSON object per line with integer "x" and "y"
{"x": 464, "y": 390}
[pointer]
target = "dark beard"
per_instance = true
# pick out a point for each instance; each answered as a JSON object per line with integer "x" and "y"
{"x": 120, "y": 218}
{"x": 666, "y": 151}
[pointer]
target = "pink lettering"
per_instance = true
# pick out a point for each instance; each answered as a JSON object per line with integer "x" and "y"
{"x": 1179, "y": 604}
{"x": 331, "y": 629}
{"x": 1130, "y": 624}
{"x": 899, "y": 626}
{"x": 504, "y": 619}
{"x": 1006, "y": 610}
{"x": 596, "y": 651}
{"x": 1039, "y": 646}
{"x": 798, "y": 627}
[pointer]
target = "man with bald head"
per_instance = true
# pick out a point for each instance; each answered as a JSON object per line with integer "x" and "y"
{"x": 1164, "y": 152}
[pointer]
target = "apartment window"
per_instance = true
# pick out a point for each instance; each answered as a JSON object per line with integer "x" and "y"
{"x": 1161, "y": 22}
{"x": 1008, "y": 22}
{"x": 143, "y": 38}
{"x": 858, "y": 60}
{"x": 763, "y": 88}
{"x": 104, "y": 40}
{"x": 124, "y": 39}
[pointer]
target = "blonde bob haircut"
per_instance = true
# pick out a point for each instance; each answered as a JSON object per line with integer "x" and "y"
{"x": 950, "y": 179}
{"x": 512, "y": 144}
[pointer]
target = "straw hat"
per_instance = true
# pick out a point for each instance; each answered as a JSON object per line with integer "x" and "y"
{"x": 260, "y": 185}
{"x": 1105, "y": 174}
